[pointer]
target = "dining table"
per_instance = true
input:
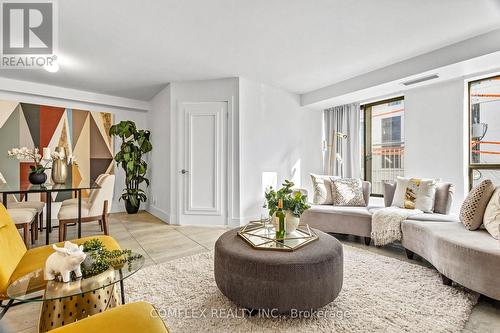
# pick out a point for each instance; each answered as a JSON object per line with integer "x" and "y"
{"x": 24, "y": 189}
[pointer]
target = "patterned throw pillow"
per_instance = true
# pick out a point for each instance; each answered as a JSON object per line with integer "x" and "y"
{"x": 347, "y": 192}
{"x": 322, "y": 186}
{"x": 415, "y": 193}
{"x": 411, "y": 193}
{"x": 474, "y": 206}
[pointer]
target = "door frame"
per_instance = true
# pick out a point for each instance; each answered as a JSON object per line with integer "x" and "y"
{"x": 179, "y": 161}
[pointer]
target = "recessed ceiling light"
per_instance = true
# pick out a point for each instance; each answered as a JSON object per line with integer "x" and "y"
{"x": 52, "y": 68}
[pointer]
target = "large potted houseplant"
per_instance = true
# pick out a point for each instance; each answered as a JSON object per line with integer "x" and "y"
{"x": 135, "y": 144}
{"x": 294, "y": 204}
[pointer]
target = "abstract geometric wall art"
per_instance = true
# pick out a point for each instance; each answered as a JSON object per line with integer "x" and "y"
{"x": 83, "y": 133}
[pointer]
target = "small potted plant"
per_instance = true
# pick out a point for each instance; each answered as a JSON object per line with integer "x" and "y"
{"x": 37, "y": 173}
{"x": 294, "y": 204}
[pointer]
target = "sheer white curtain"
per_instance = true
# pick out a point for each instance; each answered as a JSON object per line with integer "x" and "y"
{"x": 342, "y": 137}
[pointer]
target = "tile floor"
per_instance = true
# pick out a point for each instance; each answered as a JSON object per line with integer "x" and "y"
{"x": 160, "y": 242}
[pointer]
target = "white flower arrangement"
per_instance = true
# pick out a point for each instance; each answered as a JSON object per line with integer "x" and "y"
{"x": 29, "y": 154}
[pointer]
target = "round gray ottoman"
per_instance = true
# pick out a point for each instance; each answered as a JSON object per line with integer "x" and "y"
{"x": 307, "y": 278}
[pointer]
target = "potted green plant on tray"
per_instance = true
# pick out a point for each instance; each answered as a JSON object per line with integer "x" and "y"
{"x": 294, "y": 204}
{"x": 135, "y": 144}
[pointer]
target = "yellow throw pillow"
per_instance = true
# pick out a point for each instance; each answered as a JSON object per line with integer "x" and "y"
{"x": 411, "y": 193}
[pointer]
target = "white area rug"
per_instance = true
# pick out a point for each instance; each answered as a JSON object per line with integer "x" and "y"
{"x": 379, "y": 294}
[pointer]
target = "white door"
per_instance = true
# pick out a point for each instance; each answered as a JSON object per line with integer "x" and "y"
{"x": 204, "y": 163}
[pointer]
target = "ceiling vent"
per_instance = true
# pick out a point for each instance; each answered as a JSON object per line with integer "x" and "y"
{"x": 421, "y": 79}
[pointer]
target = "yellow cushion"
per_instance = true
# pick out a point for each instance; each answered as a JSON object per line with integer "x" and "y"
{"x": 12, "y": 249}
{"x": 132, "y": 317}
{"x": 35, "y": 258}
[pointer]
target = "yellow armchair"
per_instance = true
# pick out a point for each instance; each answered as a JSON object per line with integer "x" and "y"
{"x": 16, "y": 260}
{"x": 132, "y": 317}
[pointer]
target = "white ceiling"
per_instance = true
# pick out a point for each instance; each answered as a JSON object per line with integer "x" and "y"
{"x": 133, "y": 48}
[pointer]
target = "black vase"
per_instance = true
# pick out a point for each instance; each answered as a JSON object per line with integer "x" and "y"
{"x": 37, "y": 178}
{"x": 131, "y": 209}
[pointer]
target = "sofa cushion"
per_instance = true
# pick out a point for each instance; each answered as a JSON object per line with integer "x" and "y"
{"x": 347, "y": 192}
{"x": 433, "y": 218}
{"x": 322, "y": 188}
{"x": 389, "y": 190}
{"x": 442, "y": 200}
{"x": 491, "y": 219}
{"x": 473, "y": 207}
{"x": 342, "y": 210}
{"x": 468, "y": 258}
{"x": 444, "y": 197}
{"x": 339, "y": 219}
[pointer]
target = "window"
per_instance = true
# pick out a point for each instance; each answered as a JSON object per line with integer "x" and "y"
{"x": 383, "y": 142}
{"x": 484, "y": 130}
{"x": 391, "y": 129}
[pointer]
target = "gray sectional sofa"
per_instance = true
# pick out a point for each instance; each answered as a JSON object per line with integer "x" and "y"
{"x": 470, "y": 258}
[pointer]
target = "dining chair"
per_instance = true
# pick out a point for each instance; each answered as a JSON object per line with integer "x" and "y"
{"x": 90, "y": 198}
{"x": 13, "y": 203}
{"x": 26, "y": 220}
{"x": 95, "y": 209}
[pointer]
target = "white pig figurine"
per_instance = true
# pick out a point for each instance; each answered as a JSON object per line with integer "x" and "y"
{"x": 65, "y": 260}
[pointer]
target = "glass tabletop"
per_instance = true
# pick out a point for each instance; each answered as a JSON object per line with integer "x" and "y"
{"x": 33, "y": 288}
{"x": 28, "y": 187}
{"x": 263, "y": 236}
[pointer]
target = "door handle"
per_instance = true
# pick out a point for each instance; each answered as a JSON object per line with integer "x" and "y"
{"x": 184, "y": 171}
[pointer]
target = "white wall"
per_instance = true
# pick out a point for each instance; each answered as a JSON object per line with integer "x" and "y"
{"x": 276, "y": 135}
{"x": 159, "y": 124}
{"x": 436, "y": 136}
{"x": 119, "y": 113}
{"x": 166, "y": 160}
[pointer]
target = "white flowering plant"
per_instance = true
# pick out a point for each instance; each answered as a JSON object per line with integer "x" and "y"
{"x": 70, "y": 159}
{"x": 30, "y": 154}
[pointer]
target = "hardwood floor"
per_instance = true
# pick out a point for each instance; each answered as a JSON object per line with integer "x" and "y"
{"x": 160, "y": 242}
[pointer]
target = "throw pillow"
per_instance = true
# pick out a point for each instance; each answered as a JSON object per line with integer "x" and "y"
{"x": 411, "y": 193}
{"x": 400, "y": 192}
{"x": 491, "y": 219}
{"x": 426, "y": 195}
{"x": 347, "y": 192}
{"x": 472, "y": 210}
{"x": 415, "y": 193}
{"x": 322, "y": 186}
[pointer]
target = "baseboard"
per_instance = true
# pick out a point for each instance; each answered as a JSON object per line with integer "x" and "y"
{"x": 234, "y": 223}
{"x": 159, "y": 213}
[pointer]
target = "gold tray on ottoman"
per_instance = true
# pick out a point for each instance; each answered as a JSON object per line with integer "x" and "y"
{"x": 263, "y": 237}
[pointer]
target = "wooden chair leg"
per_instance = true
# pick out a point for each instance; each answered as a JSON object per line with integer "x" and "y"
{"x": 32, "y": 232}
{"x": 26, "y": 234}
{"x": 40, "y": 220}
{"x": 105, "y": 218}
{"x": 61, "y": 230}
{"x": 65, "y": 231}
{"x": 37, "y": 222}
{"x": 105, "y": 224}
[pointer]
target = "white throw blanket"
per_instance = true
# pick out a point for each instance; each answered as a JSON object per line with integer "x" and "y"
{"x": 386, "y": 224}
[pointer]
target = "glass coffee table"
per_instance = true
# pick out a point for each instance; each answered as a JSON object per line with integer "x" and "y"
{"x": 64, "y": 303}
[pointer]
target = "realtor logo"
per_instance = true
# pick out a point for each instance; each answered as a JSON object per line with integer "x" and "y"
{"x": 28, "y": 34}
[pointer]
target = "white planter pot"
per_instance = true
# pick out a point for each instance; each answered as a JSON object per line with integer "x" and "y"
{"x": 291, "y": 222}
